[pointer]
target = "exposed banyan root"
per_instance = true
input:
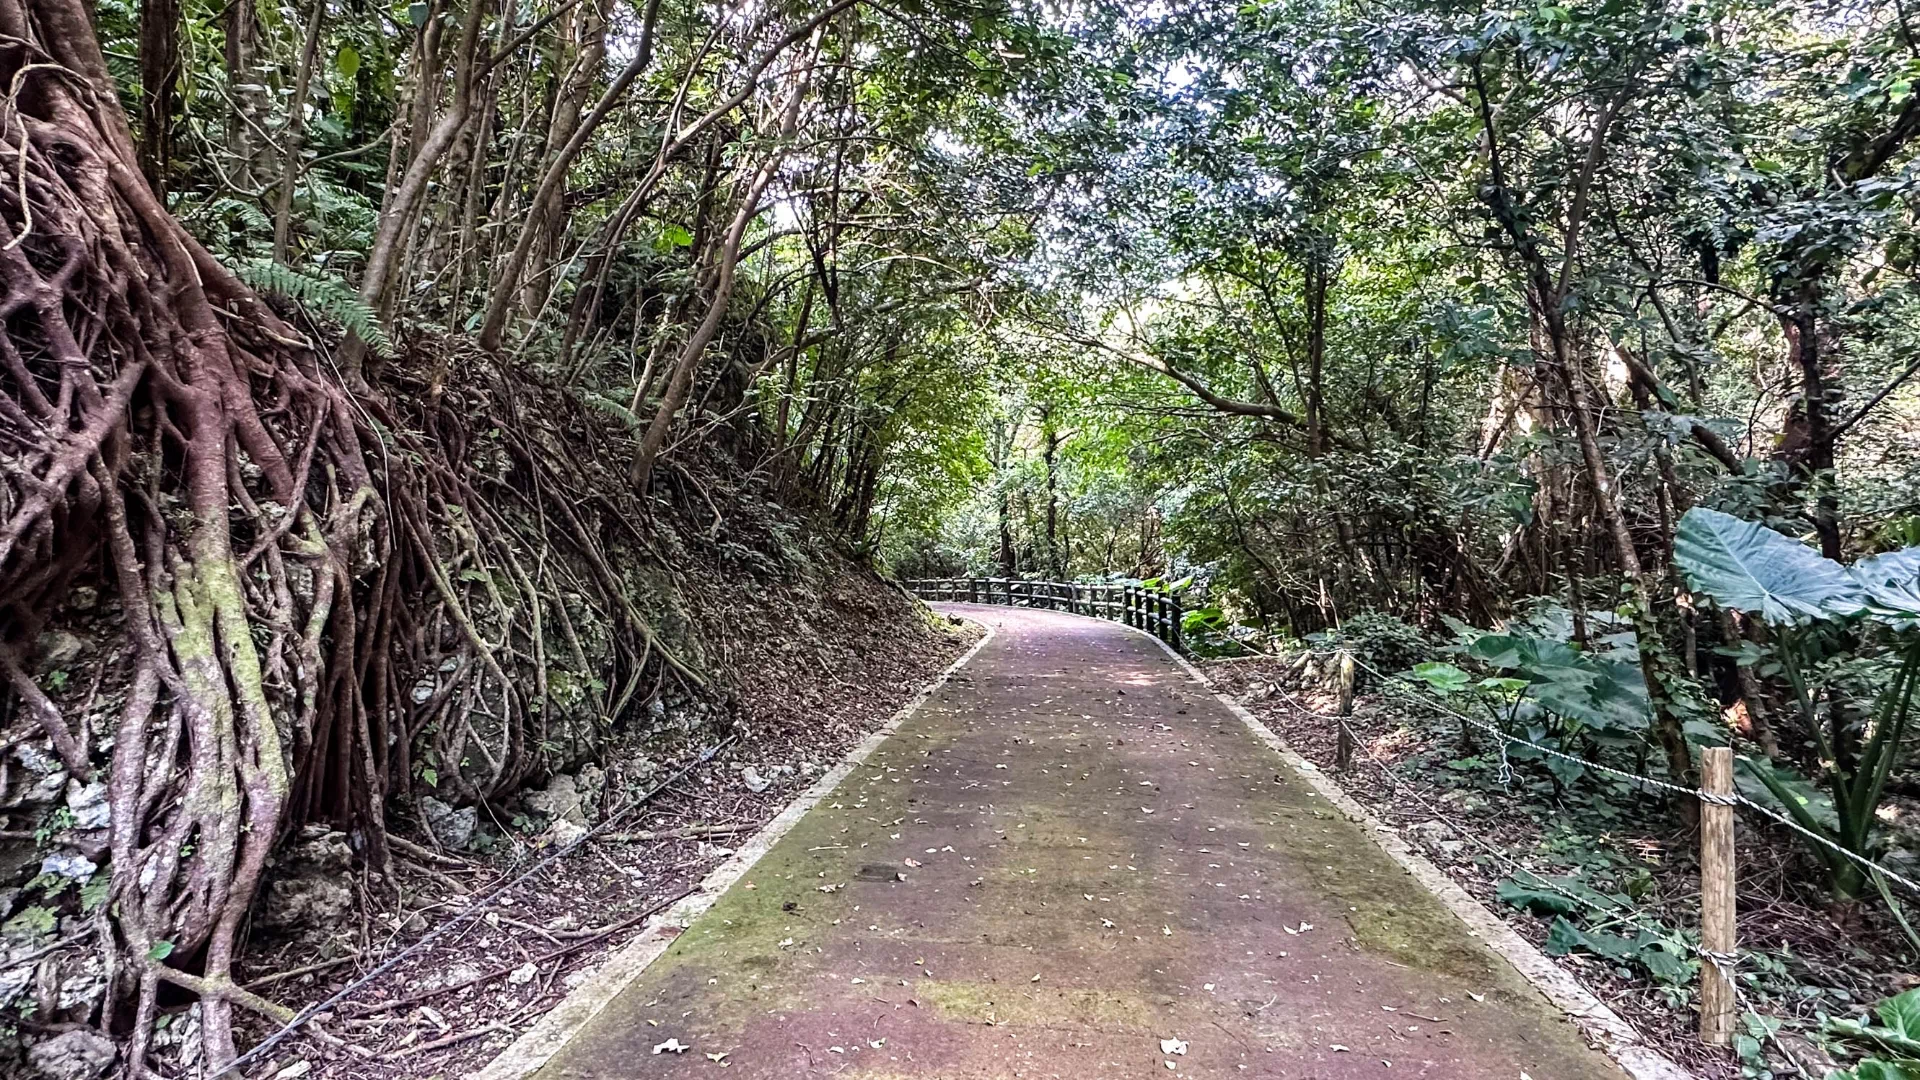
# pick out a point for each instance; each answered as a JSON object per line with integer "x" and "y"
{"x": 168, "y": 425}
{"x": 283, "y": 573}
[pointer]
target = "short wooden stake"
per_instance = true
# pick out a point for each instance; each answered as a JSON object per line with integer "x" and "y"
{"x": 1343, "y": 755}
{"x": 1717, "y": 1005}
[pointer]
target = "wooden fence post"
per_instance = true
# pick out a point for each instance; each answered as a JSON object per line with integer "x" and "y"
{"x": 1717, "y": 905}
{"x": 1343, "y": 738}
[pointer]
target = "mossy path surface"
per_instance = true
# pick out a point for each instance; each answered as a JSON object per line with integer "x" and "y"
{"x": 1069, "y": 854}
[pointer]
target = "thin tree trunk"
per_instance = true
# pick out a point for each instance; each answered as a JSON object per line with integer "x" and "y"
{"x": 290, "y": 165}
{"x": 680, "y": 379}
{"x": 159, "y": 68}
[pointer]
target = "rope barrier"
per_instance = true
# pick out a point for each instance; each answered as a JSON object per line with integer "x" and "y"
{"x": 1735, "y": 800}
{"x": 1726, "y": 964}
{"x": 478, "y": 905}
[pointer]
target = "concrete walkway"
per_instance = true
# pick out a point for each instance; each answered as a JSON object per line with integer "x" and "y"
{"x": 1071, "y": 853}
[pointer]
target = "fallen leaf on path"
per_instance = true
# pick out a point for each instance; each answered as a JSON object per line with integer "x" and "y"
{"x": 671, "y": 1046}
{"x": 1173, "y": 1046}
{"x": 720, "y": 1057}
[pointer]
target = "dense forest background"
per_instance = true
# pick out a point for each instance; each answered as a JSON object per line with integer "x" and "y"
{"x": 370, "y": 368}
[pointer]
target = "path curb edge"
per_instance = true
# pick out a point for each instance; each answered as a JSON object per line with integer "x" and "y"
{"x": 538, "y": 1044}
{"x": 1603, "y": 1027}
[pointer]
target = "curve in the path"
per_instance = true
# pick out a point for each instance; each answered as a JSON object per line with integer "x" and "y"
{"x": 1069, "y": 854}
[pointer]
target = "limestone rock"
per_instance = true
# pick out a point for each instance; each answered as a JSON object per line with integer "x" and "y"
{"x": 308, "y": 901}
{"x": 453, "y": 828}
{"x": 558, "y": 801}
{"x": 58, "y": 649}
{"x": 563, "y": 833}
{"x": 80, "y": 980}
{"x": 591, "y": 783}
{"x": 69, "y": 865}
{"x": 88, "y": 803}
{"x": 319, "y": 850}
{"x": 72, "y": 1055}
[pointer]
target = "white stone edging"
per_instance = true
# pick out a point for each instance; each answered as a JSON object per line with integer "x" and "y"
{"x": 565, "y": 1020}
{"x": 1605, "y": 1028}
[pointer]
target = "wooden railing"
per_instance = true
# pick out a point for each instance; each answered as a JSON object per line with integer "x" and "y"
{"x": 1154, "y": 610}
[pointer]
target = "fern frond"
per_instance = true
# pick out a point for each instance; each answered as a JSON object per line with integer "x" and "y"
{"x": 250, "y": 217}
{"x": 328, "y": 297}
{"x": 614, "y": 409}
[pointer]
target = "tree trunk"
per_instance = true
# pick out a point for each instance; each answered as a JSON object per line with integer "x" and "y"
{"x": 290, "y": 164}
{"x": 403, "y": 201}
{"x": 159, "y": 68}
{"x": 680, "y": 376}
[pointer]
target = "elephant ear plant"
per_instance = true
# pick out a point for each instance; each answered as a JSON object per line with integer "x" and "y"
{"x": 1805, "y": 600}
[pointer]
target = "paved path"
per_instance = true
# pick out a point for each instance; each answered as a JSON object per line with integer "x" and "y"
{"x": 1068, "y": 854}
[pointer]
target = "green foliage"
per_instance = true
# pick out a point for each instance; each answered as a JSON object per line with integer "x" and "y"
{"x": 1897, "y": 1035}
{"x": 1584, "y": 693}
{"x": 31, "y": 921}
{"x": 326, "y": 297}
{"x": 1751, "y": 568}
{"x": 1380, "y": 639}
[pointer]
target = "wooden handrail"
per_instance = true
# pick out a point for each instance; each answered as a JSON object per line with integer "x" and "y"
{"x": 1156, "y": 611}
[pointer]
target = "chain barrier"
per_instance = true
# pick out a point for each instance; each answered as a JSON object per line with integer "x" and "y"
{"x": 478, "y": 905}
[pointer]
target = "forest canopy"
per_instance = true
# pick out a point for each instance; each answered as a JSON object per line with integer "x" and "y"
{"x": 1395, "y": 321}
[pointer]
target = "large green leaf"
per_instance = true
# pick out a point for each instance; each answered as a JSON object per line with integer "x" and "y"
{"x": 1610, "y": 696}
{"x": 1901, "y": 1014}
{"x": 1898, "y": 1030}
{"x": 1443, "y": 678}
{"x": 1541, "y": 902}
{"x": 1603, "y": 694}
{"x": 1751, "y": 568}
{"x": 1892, "y": 584}
{"x": 1769, "y": 784}
{"x": 1875, "y": 1069}
{"x": 1540, "y": 659}
{"x": 1564, "y": 937}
